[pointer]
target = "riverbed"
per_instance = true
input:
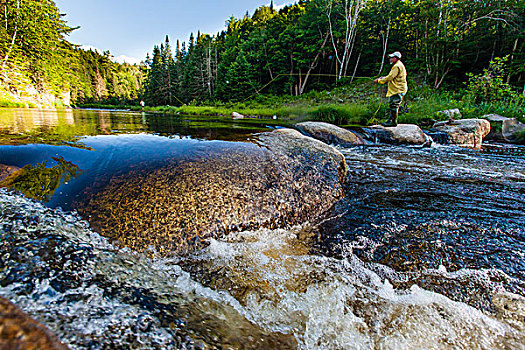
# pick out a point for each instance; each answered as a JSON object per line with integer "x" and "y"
{"x": 426, "y": 249}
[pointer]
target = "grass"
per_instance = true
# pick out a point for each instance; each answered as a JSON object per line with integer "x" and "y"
{"x": 361, "y": 103}
{"x": 102, "y": 106}
{"x": 8, "y": 101}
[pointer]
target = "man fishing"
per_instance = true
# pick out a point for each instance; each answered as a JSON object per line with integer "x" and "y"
{"x": 397, "y": 86}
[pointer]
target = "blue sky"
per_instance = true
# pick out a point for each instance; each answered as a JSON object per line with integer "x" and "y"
{"x": 130, "y": 28}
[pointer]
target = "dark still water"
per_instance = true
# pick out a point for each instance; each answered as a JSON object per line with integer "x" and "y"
{"x": 105, "y": 144}
{"x": 426, "y": 249}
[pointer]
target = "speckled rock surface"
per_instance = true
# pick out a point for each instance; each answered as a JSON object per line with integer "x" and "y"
{"x": 280, "y": 178}
{"x": 6, "y": 170}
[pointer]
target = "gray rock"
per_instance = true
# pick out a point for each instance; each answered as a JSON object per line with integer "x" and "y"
{"x": 279, "y": 179}
{"x": 495, "y": 118}
{"x": 465, "y": 132}
{"x": 511, "y": 130}
{"x": 402, "y": 134}
{"x": 504, "y": 129}
{"x": 496, "y": 122}
{"x": 330, "y": 133}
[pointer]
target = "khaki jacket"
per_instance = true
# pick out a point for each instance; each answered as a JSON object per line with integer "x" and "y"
{"x": 396, "y": 79}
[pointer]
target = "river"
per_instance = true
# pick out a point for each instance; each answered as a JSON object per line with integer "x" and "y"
{"x": 426, "y": 249}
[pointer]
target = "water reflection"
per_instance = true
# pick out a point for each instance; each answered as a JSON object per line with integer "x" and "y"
{"x": 40, "y": 182}
{"x": 23, "y": 126}
{"x": 16, "y": 121}
{"x": 104, "y": 144}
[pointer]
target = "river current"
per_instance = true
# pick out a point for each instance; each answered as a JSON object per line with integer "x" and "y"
{"x": 426, "y": 249}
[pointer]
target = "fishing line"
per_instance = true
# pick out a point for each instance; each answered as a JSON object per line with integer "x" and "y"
{"x": 257, "y": 92}
{"x": 300, "y": 74}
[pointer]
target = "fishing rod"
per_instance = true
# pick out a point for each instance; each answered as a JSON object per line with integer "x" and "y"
{"x": 300, "y": 74}
{"x": 258, "y": 91}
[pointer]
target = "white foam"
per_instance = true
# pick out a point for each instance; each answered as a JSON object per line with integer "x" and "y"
{"x": 323, "y": 302}
{"x": 345, "y": 305}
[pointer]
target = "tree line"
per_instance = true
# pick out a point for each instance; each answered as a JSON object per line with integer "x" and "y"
{"x": 34, "y": 53}
{"x": 317, "y": 44}
{"x": 311, "y": 45}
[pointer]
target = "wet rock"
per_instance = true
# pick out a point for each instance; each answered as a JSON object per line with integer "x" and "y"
{"x": 496, "y": 123}
{"x": 438, "y": 137}
{"x": 504, "y": 129}
{"x": 402, "y": 134}
{"x": 330, "y": 133}
{"x": 6, "y": 170}
{"x": 465, "y": 132}
{"x": 19, "y": 331}
{"x": 514, "y": 131}
{"x": 279, "y": 179}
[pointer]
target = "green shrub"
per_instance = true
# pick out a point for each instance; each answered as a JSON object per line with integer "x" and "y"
{"x": 490, "y": 86}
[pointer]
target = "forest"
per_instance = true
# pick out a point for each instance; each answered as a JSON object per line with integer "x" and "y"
{"x": 311, "y": 46}
{"x": 37, "y": 59}
{"x": 319, "y": 44}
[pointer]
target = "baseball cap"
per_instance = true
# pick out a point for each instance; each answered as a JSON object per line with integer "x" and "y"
{"x": 395, "y": 54}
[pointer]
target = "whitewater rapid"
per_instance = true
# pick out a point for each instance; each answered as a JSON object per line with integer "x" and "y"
{"x": 254, "y": 289}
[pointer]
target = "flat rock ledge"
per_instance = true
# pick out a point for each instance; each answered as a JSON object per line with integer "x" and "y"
{"x": 402, "y": 134}
{"x": 19, "y": 331}
{"x": 279, "y": 179}
{"x": 467, "y": 133}
{"x": 330, "y": 134}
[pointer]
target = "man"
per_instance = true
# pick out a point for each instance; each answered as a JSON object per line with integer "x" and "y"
{"x": 397, "y": 86}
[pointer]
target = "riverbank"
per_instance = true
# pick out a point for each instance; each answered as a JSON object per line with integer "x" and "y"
{"x": 358, "y": 104}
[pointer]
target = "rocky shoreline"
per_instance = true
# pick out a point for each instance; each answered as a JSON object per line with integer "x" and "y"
{"x": 467, "y": 133}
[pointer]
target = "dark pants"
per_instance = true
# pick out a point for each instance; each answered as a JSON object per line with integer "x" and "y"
{"x": 395, "y": 102}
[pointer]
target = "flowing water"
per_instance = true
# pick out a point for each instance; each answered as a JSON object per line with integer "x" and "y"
{"x": 426, "y": 250}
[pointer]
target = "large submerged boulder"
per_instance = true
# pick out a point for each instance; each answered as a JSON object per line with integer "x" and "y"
{"x": 330, "y": 133}
{"x": 465, "y": 132}
{"x": 19, "y": 331}
{"x": 280, "y": 178}
{"x": 402, "y": 134}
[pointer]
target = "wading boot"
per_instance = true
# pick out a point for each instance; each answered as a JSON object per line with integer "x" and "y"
{"x": 392, "y": 121}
